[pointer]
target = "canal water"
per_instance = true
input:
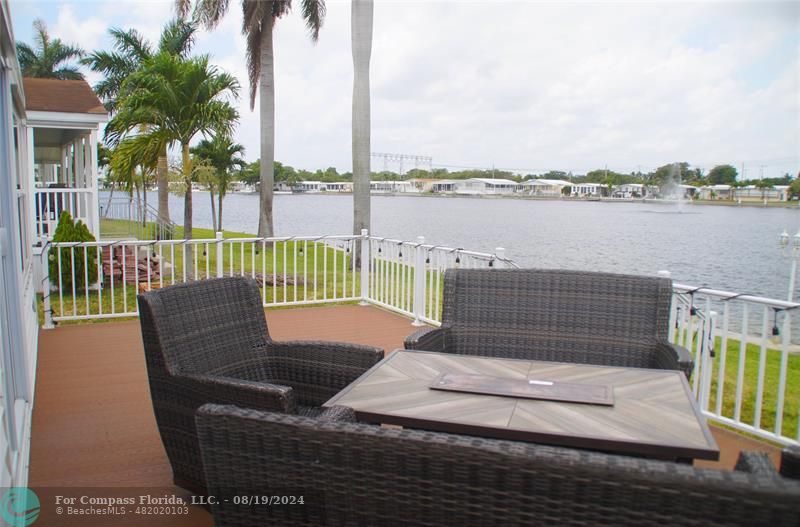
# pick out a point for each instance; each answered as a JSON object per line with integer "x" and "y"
{"x": 724, "y": 247}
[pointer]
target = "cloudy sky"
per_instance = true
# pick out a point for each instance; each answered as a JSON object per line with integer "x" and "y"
{"x": 527, "y": 86}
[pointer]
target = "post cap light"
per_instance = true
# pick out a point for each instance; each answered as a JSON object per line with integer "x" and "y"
{"x": 784, "y": 238}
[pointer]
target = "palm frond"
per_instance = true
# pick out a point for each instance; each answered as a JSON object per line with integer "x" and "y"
{"x": 68, "y": 73}
{"x": 177, "y": 37}
{"x": 210, "y": 12}
{"x": 314, "y": 16}
{"x": 131, "y": 43}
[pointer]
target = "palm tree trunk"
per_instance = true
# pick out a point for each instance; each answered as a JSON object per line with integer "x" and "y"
{"x": 162, "y": 176}
{"x": 186, "y": 163}
{"x": 361, "y": 42}
{"x": 144, "y": 200}
{"x": 266, "y": 88}
{"x": 220, "y": 196}
{"x": 213, "y": 208}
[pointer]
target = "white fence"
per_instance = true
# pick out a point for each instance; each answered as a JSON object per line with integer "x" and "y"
{"x": 735, "y": 338}
{"x": 745, "y": 375}
{"x": 50, "y": 202}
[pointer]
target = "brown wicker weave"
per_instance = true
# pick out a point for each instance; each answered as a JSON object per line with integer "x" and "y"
{"x": 556, "y": 315}
{"x": 207, "y": 341}
{"x": 357, "y": 474}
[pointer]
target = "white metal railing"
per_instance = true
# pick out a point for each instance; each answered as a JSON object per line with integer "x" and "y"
{"x": 139, "y": 219}
{"x": 289, "y": 270}
{"x": 50, "y": 202}
{"x": 742, "y": 347}
{"x": 745, "y": 376}
{"x": 406, "y": 277}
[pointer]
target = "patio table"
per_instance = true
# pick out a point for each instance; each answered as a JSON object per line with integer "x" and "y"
{"x": 654, "y": 413}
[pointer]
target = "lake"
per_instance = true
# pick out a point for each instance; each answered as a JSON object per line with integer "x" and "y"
{"x": 724, "y": 247}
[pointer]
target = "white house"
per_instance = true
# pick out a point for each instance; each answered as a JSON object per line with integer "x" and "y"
{"x": 392, "y": 187}
{"x": 545, "y": 187}
{"x": 485, "y": 186}
{"x": 444, "y": 186}
{"x": 753, "y": 193}
{"x": 63, "y": 119}
{"x": 630, "y": 190}
{"x": 18, "y": 319}
{"x": 588, "y": 190}
{"x": 716, "y": 192}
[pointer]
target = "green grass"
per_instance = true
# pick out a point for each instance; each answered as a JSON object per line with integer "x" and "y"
{"x": 311, "y": 262}
{"x": 750, "y": 386}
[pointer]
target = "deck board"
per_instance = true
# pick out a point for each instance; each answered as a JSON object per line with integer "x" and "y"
{"x": 93, "y": 422}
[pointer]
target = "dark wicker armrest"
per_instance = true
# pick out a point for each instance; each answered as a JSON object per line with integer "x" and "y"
{"x": 318, "y": 370}
{"x": 757, "y": 463}
{"x": 790, "y": 462}
{"x": 670, "y": 356}
{"x": 338, "y": 413}
{"x": 249, "y": 394}
{"x": 428, "y": 339}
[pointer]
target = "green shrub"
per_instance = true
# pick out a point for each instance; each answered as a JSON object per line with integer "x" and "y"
{"x": 69, "y": 231}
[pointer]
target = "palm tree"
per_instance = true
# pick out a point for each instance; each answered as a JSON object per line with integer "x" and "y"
{"x": 225, "y": 157}
{"x": 50, "y": 59}
{"x": 361, "y": 42}
{"x": 130, "y": 51}
{"x": 259, "y": 17}
{"x": 175, "y": 99}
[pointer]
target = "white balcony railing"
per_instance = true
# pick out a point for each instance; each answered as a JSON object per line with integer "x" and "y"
{"x": 746, "y": 374}
{"x": 49, "y": 203}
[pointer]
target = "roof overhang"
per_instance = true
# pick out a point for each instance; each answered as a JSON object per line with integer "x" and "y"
{"x": 88, "y": 121}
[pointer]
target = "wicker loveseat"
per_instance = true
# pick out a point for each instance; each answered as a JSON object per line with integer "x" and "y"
{"x": 556, "y": 315}
{"x": 207, "y": 342}
{"x": 356, "y": 474}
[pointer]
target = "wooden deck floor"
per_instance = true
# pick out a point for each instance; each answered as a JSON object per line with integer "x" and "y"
{"x": 93, "y": 423}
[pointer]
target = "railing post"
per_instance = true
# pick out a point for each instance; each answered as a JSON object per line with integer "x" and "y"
{"x": 705, "y": 358}
{"x": 673, "y": 311}
{"x": 364, "y": 267}
{"x": 220, "y": 252}
{"x": 48, "y": 312}
{"x": 419, "y": 282}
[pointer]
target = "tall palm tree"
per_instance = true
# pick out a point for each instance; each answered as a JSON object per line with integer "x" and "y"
{"x": 225, "y": 157}
{"x": 175, "y": 99}
{"x": 361, "y": 42}
{"x": 51, "y": 58}
{"x": 130, "y": 51}
{"x": 259, "y": 18}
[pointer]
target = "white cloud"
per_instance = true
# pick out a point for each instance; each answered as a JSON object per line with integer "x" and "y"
{"x": 532, "y": 85}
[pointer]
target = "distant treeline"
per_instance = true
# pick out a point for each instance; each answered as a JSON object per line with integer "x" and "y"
{"x": 683, "y": 172}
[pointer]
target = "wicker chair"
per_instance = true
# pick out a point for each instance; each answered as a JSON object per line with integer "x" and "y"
{"x": 207, "y": 341}
{"x": 352, "y": 474}
{"x": 556, "y": 315}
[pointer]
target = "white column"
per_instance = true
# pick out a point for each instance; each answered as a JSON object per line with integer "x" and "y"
{"x": 33, "y": 200}
{"x": 91, "y": 176}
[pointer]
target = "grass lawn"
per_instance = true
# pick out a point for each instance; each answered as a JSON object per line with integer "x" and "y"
{"x": 750, "y": 386}
{"x": 301, "y": 271}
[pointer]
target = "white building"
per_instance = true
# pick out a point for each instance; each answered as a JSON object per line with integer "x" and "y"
{"x": 392, "y": 187}
{"x": 18, "y": 319}
{"x": 716, "y": 192}
{"x": 485, "y": 186}
{"x": 630, "y": 190}
{"x": 588, "y": 190}
{"x": 315, "y": 187}
{"x": 545, "y": 187}
{"x": 444, "y": 186}
{"x": 753, "y": 193}
{"x": 63, "y": 120}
